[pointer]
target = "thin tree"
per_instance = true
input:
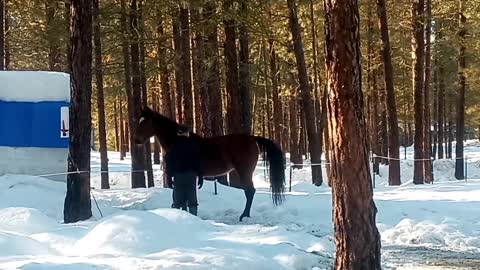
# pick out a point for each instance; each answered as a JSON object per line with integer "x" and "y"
{"x": 306, "y": 97}
{"x": 441, "y": 94}
{"x": 231, "y": 69}
{"x": 123, "y": 142}
{"x": 144, "y": 90}
{"x": 245, "y": 101}
{"x": 427, "y": 145}
{"x": 2, "y": 35}
{"x": 393, "y": 144}
{"x": 277, "y": 105}
{"x": 102, "y": 133}
{"x": 77, "y": 205}
{"x": 186, "y": 68}
{"x": 356, "y": 235}
{"x": 212, "y": 70}
{"x": 418, "y": 72}
{"x": 460, "y": 126}
{"x": 177, "y": 43}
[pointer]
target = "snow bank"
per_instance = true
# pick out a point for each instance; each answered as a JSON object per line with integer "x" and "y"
{"x": 34, "y": 86}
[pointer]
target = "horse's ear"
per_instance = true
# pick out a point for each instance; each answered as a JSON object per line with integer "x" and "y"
{"x": 146, "y": 110}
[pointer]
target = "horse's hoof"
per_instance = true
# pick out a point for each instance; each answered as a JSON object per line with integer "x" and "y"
{"x": 242, "y": 216}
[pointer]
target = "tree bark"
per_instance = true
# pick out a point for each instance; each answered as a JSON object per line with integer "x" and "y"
{"x": 122, "y": 130}
{"x": 202, "y": 102}
{"x": 277, "y": 105}
{"x": 144, "y": 91}
{"x": 117, "y": 132}
{"x": 295, "y": 155}
{"x": 441, "y": 96}
{"x": 2, "y": 35}
{"x": 77, "y": 205}
{"x": 435, "y": 108}
{"x": 306, "y": 99}
{"x": 177, "y": 42}
{"x": 133, "y": 89}
{"x": 231, "y": 69}
{"x": 102, "y": 133}
{"x": 427, "y": 146}
{"x": 212, "y": 71}
{"x": 460, "y": 126}
{"x": 418, "y": 79}
{"x": 450, "y": 116}
{"x": 394, "y": 145}
{"x": 356, "y": 235}
{"x": 245, "y": 102}
{"x": 186, "y": 68}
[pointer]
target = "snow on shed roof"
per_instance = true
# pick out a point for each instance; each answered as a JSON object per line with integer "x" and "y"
{"x": 34, "y": 86}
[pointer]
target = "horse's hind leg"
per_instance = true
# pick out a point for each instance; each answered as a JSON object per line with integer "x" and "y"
{"x": 249, "y": 189}
{"x": 249, "y": 193}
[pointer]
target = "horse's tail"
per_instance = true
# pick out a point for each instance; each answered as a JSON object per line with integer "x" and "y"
{"x": 275, "y": 160}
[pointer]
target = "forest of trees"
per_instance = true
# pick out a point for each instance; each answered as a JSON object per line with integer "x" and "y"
{"x": 407, "y": 74}
{"x": 257, "y": 67}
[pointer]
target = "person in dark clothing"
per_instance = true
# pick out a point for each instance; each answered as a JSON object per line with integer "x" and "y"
{"x": 183, "y": 164}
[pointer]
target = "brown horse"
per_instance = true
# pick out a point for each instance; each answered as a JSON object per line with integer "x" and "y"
{"x": 222, "y": 154}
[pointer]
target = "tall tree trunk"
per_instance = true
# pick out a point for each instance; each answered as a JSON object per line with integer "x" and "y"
{"x": 394, "y": 145}
{"x": 166, "y": 103}
{"x": 460, "y": 126}
{"x": 2, "y": 35}
{"x": 54, "y": 63}
{"x": 186, "y": 68}
{"x": 115, "y": 118}
{"x": 313, "y": 138}
{"x": 450, "y": 116}
{"x": 441, "y": 98}
{"x": 295, "y": 156}
{"x": 277, "y": 105}
{"x": 319, "y": 110}
{"x": 102, "y": 133}
{"x": 77, "y": 205}
{"x": 177, "y": 42}
{"x": 122, "y": 129}
{"x": 133, "y": 89}
{"x": 356, "y": 235}
{"x": 245, "y": 102}
{"x": 212, "y": 71}
{"x": 144, "y": 91}
{"x": 231, "y": 69}
{"x": 427, "y": 145}
{"x": 200, "y": 76}
{"x": 373, "y": 100}
{"x": 435, "y": 107}
{"x": 418, "y": 72}
{"x": 383, "y": 135}
{"x": 156, "y": 144}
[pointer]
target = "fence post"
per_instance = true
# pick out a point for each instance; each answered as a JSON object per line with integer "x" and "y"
{"x": 215, "y": 186}
{"x": 466, "y": 172}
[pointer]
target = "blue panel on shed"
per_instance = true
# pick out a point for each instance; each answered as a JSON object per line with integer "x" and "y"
{"x": 31, "y": 124}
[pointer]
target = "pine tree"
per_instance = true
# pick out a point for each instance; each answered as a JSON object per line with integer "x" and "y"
{"x": 354, "y": 210}
{"x": 77, "y": 201}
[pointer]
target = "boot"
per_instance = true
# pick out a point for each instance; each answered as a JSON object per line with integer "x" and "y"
{"x": 193, "y": 210}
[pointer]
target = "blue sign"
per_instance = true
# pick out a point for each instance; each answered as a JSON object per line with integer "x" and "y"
{"x": 33, "y": 124}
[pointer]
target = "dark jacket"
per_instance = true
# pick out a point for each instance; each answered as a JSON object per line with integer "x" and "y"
{"x": 184, "y": 156}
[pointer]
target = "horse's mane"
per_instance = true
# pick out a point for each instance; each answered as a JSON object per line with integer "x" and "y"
{"x": 166, "y": 123}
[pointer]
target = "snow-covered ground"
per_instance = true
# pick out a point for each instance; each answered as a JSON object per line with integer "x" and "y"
{"x": 422, "y": 227}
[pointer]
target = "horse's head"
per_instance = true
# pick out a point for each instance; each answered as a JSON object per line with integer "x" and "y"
{"x": 145, "y": 128}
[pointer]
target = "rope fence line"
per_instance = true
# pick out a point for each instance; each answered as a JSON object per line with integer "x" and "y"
{"x": 412, "y": 159}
